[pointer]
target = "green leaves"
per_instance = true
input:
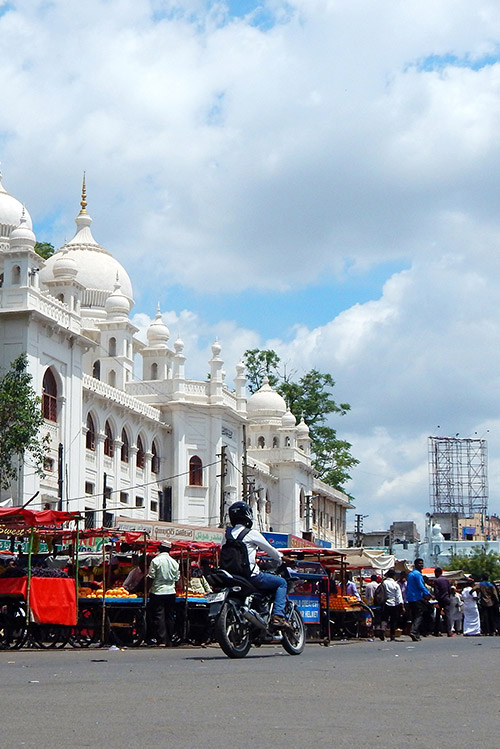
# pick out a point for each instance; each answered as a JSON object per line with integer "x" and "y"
{"x": 309, "y": 397}
{"x": 481, "y": 560}
{"x": 20, "y": 422}
{"x": 44, "y": 249}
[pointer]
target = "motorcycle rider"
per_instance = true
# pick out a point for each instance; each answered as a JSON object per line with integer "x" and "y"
{"x": 241, "y": 516}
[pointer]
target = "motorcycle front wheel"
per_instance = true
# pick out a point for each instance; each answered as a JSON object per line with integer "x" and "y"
{"x": 294, "y": 639}
{"x": 232, "y": 635}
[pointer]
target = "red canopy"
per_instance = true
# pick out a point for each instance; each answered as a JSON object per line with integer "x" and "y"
{"x": 20, "y": 517}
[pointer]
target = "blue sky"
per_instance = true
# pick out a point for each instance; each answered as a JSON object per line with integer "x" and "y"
{"x": 317, "y": 176}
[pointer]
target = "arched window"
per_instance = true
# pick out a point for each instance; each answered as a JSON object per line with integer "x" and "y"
{"x": 112, "y": 378}
{"x": 109, "y": 448}
{"x": 276, "y": 442}
{"x": 112, "y": 346}
{"x": 61, "y": 297}
{"x": 154, "y": 371}
{"x": 155, "y": 461}
{"x": 261, "y": 442}
{"x": 90, "y": 438}
{"x": 96, "y": 370}
{"x": 141, "y": 455}
{"x": 124, "y": 448}
{"x": 49, "y": 396}
{"x": 16, "y": 275}
{"x": 195, "y": 471}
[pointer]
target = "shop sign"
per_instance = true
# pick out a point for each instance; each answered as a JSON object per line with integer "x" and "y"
{"x": 299, "y": 543}
{"x": 215, "y": 536}
{"x": 308, "y": 607}
{"x": 124, "y": 525}
{"x": 174, "y": 533}
{"x": 278, "y": 540}
{"x": 324, "y": 544}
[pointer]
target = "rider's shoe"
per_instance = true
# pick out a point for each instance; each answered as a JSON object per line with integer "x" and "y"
{"x": 279, "y": 622}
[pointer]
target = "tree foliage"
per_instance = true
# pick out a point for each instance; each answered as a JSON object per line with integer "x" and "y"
{"x": 44, "y": 249}
{"x": 480, "y": 561}
{"x": 21, "y": 420}
{"x": 309, "y": 397}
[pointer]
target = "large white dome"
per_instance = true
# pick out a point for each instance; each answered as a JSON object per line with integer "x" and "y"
{"x": 98, "y": 271}
{"x": 266, "y": 404}
{"x": 11, "y": 211}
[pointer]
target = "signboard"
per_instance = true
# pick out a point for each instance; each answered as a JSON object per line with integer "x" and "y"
{"x": 308, "y": 607}
{"x": 278, "y": 540}
{"x": 299, "y": 543}
{"x": 159, "y": 531}
{"x": 322, "y": 543}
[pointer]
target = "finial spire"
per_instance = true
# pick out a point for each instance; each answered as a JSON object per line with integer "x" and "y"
{"x": 83, "y": 202}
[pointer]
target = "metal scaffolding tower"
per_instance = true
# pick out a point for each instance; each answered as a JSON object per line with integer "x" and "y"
{"x": 458, "y": 475}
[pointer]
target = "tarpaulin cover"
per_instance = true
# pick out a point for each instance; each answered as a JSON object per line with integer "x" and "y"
{"x": 24, "y": 518}
{"x": 52, "y": 600}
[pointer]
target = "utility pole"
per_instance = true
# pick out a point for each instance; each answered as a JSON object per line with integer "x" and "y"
{"x": 104, "y": 499}
{"x": 223, "y": 471}
{"x": 244, "y": 472}
{"x": 358, "y": 529}
{"x": 60, "y": 476}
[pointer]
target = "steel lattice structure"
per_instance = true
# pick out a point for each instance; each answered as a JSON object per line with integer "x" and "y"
{"x": 458, "y": 475}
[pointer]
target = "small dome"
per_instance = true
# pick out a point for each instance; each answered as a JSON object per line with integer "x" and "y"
{"x": 266, "y": 404}
{"x": 65, "y": 267}
{"x": 288, "y": 420}
{"x": 11, "y": 211}
{"x": 216, "y": 348}
{"x": 179, "y": 346}
{"x": 158, "y": 333}
{"x": 117, "y": 305}
{"x": 22, "y": 235}
{"x": 302, "y": 429}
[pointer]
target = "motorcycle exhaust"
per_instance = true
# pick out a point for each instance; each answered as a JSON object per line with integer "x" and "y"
{"x": 254, "y": 618}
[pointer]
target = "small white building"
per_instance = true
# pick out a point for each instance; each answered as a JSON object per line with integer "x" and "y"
{"x": 160, "y": 448}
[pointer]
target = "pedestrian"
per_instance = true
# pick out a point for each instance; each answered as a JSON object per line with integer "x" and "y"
{"x": 370, "y": 589}
{"x": 391, "y": 610}
{"x": 472, "y": 626}
{"x": 162, "y": 576}
{"x": 456, "y": 610}
{"x": 417, "y": 595}
{"x": 442, "y": 593}
{"x": 488, "y": 605}
{"x": 351, "y": 588}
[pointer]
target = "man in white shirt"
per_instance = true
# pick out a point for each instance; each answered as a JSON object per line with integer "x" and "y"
{"x": 241, "y": 517}
{"x": 370, "y": 590}
{"x": 162, "y": 576}
{"x": 393, "y": 606}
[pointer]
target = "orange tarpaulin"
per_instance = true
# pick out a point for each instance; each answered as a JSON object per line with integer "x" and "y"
{"x": 52, "y": 599}
{"x": 24, "y": 518}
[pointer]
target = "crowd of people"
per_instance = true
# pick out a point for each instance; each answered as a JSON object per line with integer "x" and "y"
{"x": 420, "y": 605}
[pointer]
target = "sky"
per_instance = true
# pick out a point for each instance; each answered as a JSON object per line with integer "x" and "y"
{"x": 320, "y": 177}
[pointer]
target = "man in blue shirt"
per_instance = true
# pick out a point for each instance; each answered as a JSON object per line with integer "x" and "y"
{"x": 417, "y": 594}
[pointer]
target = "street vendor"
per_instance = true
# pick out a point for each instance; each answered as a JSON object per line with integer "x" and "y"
{"x": 197, "y": 583}
{"x": 162, "y": 576}
{"x": 134, "y": 582}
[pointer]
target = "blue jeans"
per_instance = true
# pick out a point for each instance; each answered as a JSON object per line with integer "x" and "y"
{"x": 266, "y": 582}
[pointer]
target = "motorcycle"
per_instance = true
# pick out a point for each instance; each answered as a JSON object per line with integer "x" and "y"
{"x": 240, "y": 615}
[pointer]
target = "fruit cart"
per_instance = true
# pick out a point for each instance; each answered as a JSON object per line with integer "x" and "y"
{"x": 38, "y": 607}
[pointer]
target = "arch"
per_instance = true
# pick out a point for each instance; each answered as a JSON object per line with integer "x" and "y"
{"x": 195, "y": 471}
{"x": 49, "y": 396}
{"x": 96, "y": 369}
{"x": 124, "y": 450}
{"x": 90, "y": 436}
{"x": 261, "y": 442}
{"x": 154, "y": 371}
{"x": 112, "y": 346}
{"x": 109, "y": 445}
{"x": 112, "y": 378}
{"x": 60, "y": 297}
{"x": 276, "y": 442}
{"x": 16, "y": 275}
{"x": 155, "y": 460}
{"x": 140, "y": 460}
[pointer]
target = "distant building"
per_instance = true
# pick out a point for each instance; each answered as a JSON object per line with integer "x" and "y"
{"x": 404, "y": 531}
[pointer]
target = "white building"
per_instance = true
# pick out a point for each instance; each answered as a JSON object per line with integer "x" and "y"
{"x": 150, "y": 448}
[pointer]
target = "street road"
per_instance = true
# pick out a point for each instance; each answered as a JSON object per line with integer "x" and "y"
{"x": 439, "y": 693}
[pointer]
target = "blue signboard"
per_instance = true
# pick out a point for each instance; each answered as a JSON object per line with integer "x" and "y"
{"x": 278, "y": 540}
{"x": 308, "y": 607}
{"x": 323, "y": 544}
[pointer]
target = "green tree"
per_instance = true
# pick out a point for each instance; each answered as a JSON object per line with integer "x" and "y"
{"x": 480, "y": 561}
{"x": 21, "y": 421}
{"x": 310, "y": 397}
{"x": 44, "y": 249}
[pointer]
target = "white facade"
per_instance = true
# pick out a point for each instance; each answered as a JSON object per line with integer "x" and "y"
{"x": 151, "y": 447}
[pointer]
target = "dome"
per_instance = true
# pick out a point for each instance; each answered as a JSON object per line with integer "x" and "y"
{"x": 22, "y": 235}
{"x": 179, "y": 345}
{"x": 158, "y": 333}
{"x": 117, "y": 305}
{"x": 65, "y": 266}
{"x": 288, "y": 421}
{"x": 266, "y": 404}
{"x": 302, "y": 429}
{"x": 11, "y": 211}
{"x": 97, "y": 268}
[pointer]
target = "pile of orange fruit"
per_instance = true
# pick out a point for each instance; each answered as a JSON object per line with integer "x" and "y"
{"x": 112, "y": 593}
{"x": 340, "y": 602}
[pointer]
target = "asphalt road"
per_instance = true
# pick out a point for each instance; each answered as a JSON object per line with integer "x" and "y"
{"x": 439, "y": 693}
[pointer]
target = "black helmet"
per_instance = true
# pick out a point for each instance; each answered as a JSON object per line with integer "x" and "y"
{"x": 241, "y": 514}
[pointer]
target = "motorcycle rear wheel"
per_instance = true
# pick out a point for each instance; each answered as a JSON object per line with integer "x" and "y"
{"x": 232, "y": 635}
{"x": 294, "y": 639}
